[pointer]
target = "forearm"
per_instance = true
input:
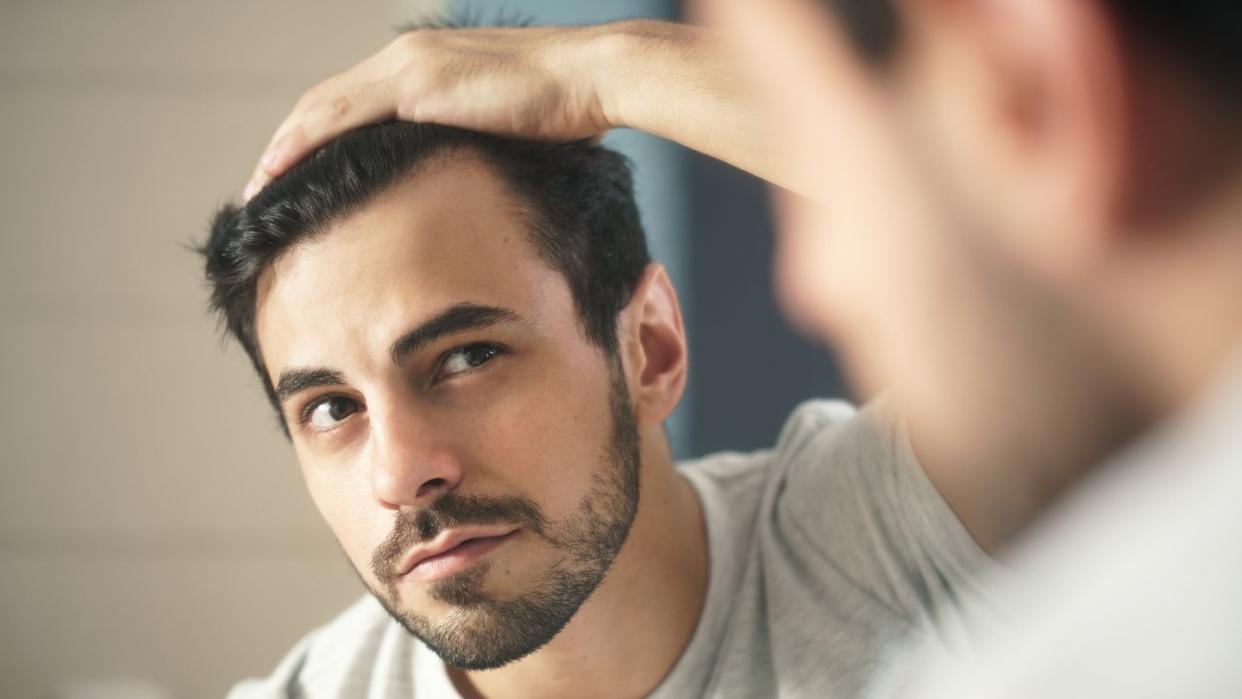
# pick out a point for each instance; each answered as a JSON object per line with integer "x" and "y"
{"x": 555, "y": 83}
{"x": 677, "y": 82}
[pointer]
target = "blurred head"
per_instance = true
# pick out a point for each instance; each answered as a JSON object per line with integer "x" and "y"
{"x": 468, "y": 347}
{"x": 1012, "y": 206}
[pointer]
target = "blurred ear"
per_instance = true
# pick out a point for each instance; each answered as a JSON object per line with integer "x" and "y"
{"x": 653, "y": 347}
{"x": 1028, "y": 100}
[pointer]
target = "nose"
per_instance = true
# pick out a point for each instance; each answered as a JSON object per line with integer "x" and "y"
{"x": 412, "y": 462}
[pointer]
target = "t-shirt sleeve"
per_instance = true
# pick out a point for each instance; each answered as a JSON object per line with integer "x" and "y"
{"x": 856, "y": 505}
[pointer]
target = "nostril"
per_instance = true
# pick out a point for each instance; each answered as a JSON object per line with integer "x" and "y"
{"x": 431, "y": 485}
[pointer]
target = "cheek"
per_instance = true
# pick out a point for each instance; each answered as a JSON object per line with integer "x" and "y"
{"x": 542, "y": 435}
{"x": 343, "y": 498}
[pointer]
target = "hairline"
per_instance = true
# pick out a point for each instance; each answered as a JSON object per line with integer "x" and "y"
{"x": 527, "y": 212}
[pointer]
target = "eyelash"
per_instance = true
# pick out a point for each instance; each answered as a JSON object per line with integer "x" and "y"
{"x": 304, "y": 415}
{"x": 495, "y": 349}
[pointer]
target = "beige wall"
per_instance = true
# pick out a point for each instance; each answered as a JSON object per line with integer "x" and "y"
{"x": 152, "y": 521}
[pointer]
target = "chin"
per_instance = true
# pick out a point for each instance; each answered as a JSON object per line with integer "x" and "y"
{"x": 479, "y": 631}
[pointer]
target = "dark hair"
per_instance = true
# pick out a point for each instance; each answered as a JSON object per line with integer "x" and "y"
{"x": 578, "y": 200}
{"x": 872, "y": 25}
{"x": 1205, "y": 34}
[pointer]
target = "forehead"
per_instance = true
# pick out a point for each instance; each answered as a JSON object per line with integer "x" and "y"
{"x": 449, "y": 234}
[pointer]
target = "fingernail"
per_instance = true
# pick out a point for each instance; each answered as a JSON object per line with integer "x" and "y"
{"x": 269, "y": 159}
{"x": 252, "y": 187}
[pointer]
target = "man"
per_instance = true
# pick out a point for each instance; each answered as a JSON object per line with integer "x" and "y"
{"x": 1028, "y": 232}
{"x": 473, "y": 355}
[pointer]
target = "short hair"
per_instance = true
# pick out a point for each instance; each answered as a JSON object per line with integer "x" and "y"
{"x": 1205, "y": 35}
{"x": 577, "y": 199}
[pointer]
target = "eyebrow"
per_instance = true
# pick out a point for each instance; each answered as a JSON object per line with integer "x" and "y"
{"x": 458, "y": 318}
{"x": 294, "y": 381}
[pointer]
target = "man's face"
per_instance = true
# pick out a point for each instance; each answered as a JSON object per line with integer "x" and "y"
{"x": 474, "y": 454}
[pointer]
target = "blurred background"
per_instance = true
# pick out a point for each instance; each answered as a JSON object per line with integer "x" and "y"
{"x": 155, "y": 536}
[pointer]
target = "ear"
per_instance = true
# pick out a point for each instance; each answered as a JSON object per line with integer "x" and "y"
{"x": 653, "y": 347}
{"x": 1031, "y": 99}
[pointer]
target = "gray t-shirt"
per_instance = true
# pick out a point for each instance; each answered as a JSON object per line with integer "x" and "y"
{"x": 823, "y": 551}
{"x": 1127, "y": 587}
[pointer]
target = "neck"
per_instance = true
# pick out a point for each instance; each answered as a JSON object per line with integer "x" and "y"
{"x": 1095, "y": 364}
{"x": 630, "y": 632}
{"x": 1177, "y": 302}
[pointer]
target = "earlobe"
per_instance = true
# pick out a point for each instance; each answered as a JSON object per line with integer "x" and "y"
{"x": 658, "y": 347}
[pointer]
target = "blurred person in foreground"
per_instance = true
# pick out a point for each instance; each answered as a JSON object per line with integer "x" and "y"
{"x": 1027, "y": 222}
{"x": 472, "y": 354}
{"x": 1020, "y": 217}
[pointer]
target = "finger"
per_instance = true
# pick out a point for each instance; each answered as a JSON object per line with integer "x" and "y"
{"x": 258, "y": 180}
{"x": 307, "y": 129}
{"x": 368, "y": 71}
{"x": 328, "y": 119}
{"x": 259, "y": 177}
{"x": 253, "y": 185}
{"x": 350, "y": 81}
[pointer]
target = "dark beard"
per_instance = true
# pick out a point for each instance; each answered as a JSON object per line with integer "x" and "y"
{"x": 483, "y": 633}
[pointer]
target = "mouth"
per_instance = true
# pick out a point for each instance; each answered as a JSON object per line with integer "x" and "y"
{"x": 452, "y": 552}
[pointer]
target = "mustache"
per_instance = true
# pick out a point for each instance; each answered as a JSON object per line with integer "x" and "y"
{"x": 414, "y": 527}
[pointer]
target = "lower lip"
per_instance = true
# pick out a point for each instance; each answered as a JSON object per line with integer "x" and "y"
{"x": 457, "y": 558}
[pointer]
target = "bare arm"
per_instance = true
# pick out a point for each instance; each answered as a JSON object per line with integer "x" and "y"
{"x": 556, "y": 83}
{"x": 676, "y": 81}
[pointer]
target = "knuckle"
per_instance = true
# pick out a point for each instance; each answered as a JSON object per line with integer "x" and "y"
{"x": 308, "y": 98}
{"x": 408, "y": 107}
{"x": 408, "y": 43}
{"x": 340, "y": 106}
{"x": 406, "y": 103}
{"x": 405, "y": 111}
{"x": 411, "y": 86}
{"x": 295, "y": 138}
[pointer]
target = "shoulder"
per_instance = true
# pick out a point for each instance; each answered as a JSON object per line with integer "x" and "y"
{"x": 803, "y": 431}
{"x": 831, "y": 448}
{"x": 818, "y": 424}
{"x": 854, "y": 502}
{"x": 814, "y": 432}
{"x": 340, "y": 658}
{"x": 848, "y": 474}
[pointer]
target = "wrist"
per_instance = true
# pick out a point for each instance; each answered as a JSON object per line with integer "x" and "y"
{"x": 622, "y": 57}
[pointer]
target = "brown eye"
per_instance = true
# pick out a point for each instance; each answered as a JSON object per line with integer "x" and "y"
{"x": 330, "y": 411}
{"x": 467, "y": 358}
